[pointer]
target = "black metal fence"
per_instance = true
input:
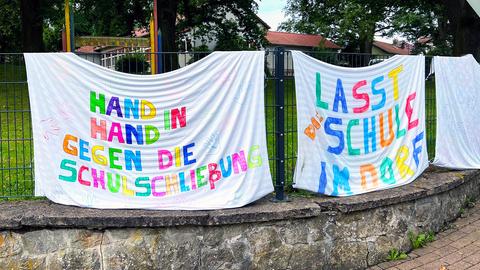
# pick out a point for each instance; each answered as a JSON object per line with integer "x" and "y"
{"x": 16, "y": 146}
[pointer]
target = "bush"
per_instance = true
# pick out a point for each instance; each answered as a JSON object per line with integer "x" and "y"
{"x": 198, "y": 53}
{"x": 132, "y": 63}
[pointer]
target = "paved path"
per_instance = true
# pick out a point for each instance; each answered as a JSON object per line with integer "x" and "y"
{"x": 455, "y": 248}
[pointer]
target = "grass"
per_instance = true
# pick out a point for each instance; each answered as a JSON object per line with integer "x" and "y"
{"x": 468, "y": 203}
{"x": 290, "y": 117}
{"x": 395, "y": 255}
{"x": 420, "y": 240}
{"x": 430, "y": 116}
{"x": 16, "y": 153}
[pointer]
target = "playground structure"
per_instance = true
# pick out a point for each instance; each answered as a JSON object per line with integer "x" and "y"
{"x": 111, "y": 49}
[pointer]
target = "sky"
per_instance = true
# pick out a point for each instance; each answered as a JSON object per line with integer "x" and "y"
{"x": 271, "y": 11}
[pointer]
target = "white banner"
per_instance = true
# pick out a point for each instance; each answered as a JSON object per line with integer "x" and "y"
{"x": 359, "y": 129}
{"x": 192, "y": 139}
{"x": 457, "y": 84}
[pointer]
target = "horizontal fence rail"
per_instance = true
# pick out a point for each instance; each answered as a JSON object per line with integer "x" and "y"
{"x": 16, "y": 145}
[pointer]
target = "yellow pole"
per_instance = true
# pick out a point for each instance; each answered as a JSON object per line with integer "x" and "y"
{"x": 152, "y": 46}
{"x": 67, "y": 25}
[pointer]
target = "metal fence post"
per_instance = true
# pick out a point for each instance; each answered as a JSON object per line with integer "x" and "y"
{"x": 280, "y": 123}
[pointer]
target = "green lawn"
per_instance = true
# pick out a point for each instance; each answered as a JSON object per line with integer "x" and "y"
{"x": 16, "y": 153}
{"x": 290, "y": 117}
{"x": 430, "y": 116}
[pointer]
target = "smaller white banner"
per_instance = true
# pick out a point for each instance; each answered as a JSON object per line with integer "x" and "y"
{"x": 457, "y": 83}
{"x": 359, "y": 129}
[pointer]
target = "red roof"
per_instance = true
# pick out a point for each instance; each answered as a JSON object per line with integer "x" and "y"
{"x": 390, "y": 48}
{"x": 86, "y": 49}
{"x": 141, "y": 32}
{"x": 302, "y": 40}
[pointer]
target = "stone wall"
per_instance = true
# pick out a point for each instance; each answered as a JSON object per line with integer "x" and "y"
{"x": 313, "y": 233}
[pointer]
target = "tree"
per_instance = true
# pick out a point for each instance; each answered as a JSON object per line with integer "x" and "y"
{"x": 34, "y": 14}
{"x": 227, "y": 38}
{"x": 9, "y": 26}
{"x": 167, "y": 19}
{"x": 32, "y": 25}
{"x": 350, "y": 23}
{"x": 42, "y": 21}
{"x": 233, "y": 23}
{"x": 53, "y": 23}
{"x": 451, "y": 25}
{"x": 423, "y": 23}
{"x": 224, "y": 20}
{"x": 110, "y": 17}
{"x": 22, "y": 24}
{"x": 464, "y": 25}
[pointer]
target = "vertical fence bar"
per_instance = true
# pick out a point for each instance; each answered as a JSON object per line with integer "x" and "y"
{"x": 280, "y": 123}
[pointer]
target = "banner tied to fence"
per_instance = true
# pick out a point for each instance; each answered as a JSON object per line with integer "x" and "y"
{"x": 192, "y": 139}
{"x": 359, "y": 129}
{"x": 457, "y": 85}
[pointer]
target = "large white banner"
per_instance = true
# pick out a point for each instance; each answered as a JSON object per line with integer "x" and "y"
{"x": 359, "y": 129}
{"x": 457, "y": 84}
{"x": 193, "y": 138}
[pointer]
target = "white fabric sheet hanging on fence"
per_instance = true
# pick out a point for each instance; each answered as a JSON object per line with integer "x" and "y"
{"x": 359, "y": 129}
{"x": 193, "y": 138}
{"x": 457, "y": 84}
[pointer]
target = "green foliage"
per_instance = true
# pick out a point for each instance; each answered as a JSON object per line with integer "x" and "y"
{"x": 52, "y": 39}
{"x": 132, "y": 63}
{"x": 430, "y": 237}
{"x": 469, "y": 202}
{"x": 425, "y": 26}
{"x": 106, "y": 17}
{"x": 395, "y": 255}
{"x": 49, "y": 14}
{"x": 228, "y": 39}
{"x": 354, "y": 23}
{"x": 234, "y": 25}
{"x": 111, "y": 17}
{"x": 350, "y": 23}
{"x": 421, "y": 239}
{"x": 10, "y": 26}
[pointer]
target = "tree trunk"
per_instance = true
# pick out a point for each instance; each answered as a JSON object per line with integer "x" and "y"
{"x": 365, "y": 46}
{"x": 32, "y": 25}
{"x": 167, "y": 16}
{"x": 465, "y": 27}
